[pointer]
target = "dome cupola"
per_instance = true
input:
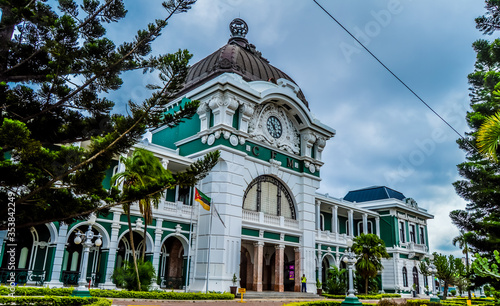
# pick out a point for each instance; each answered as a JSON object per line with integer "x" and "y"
{"x": 237, "y": 56}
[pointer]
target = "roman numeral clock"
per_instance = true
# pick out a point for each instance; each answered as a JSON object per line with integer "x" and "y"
{"x": 274, "y": 127}
{"x": 270, "y": 124}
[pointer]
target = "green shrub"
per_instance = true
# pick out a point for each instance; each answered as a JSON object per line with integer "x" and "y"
{"x": 390, "y": 302}
{"x": 53, "y": 301}
{"x": 390, "y": 295}
{"x": 36, "y": 291}
{"x": 421, "y": 302}
{"x": 363, "y": 296}
{"x": 321, "y": 303}
{"x": 336, "y": 281}
{"x": 125, "y": 276}
{"x": 162, "y": 295}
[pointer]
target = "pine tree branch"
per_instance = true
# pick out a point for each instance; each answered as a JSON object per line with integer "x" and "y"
{"x": 97, "y": 75}
{"x": 210, "y": 160}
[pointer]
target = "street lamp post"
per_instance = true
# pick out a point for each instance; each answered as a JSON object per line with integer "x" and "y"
{"x": 82, "y": 290}
{"x": 350, "y": 260}
{"x": 432, "y": 270}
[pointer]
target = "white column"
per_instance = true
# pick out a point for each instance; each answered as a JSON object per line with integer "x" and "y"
{"x": 320, "y": 265}
{"x": 157, "y": 249}
{"x": 318, "y": 216}
{"x": 377, "y": 226}
{"x": 113, "y": 246}
{"x": 365, "y": 223}
{"x": 58, "y": 257}
{"x": 351, "y": 222}
{"x": 334, "y": 218}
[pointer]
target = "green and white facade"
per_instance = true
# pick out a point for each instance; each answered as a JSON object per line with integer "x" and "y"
{"x": 276, "y": 226}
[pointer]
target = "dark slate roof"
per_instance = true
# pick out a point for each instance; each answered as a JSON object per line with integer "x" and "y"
{"x": 373, "y": 193}
{"x": 240, "y": 57}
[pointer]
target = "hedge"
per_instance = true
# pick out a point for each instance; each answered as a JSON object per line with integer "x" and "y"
{"x": 164, "y": 295}
{"x": 449, "y": 302}
{"x": 364, "y": 297}
{"x": 53, "y": 301}
{"x": 157, "y": 295}
{"x": 321, "y": 303}
{"x": 36, "y": 291}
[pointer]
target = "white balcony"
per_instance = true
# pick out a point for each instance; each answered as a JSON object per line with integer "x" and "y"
{"x": 261, "y": 218}
{"x": 418, "y": 248}
{"x": 329, "y": 237}
{"x": 175, "y": 209}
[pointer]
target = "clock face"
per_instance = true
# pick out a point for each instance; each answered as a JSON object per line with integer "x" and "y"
{"x": 274, "y": 127}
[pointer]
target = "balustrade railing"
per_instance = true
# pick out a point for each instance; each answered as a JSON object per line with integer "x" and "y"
{"x": 172, "y": 282}
{"x": 175, "y": 208}
{"x": 70, "y": 277}
{"x": 262, "y": 218}
{"x": 23, "y": 276}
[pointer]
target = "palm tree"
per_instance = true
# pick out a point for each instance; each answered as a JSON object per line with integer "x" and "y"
{"x": 461, "y": 239}
{"x": 142, "y": 171}
{"x": 371, "y": 249}
{"x": 489, "y": 135}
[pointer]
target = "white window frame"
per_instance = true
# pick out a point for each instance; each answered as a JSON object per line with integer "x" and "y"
{"x": 370, "y": 226}
{"x": 421, "y": 228}
{"x": 402, "y": 239}
{"x": 414, "y": 232}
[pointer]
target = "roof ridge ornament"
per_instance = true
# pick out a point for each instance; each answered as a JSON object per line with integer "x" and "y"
{"x": 238, "y": 28}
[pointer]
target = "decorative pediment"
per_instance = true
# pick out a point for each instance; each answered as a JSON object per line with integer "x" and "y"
{"x": 258, "y": 128}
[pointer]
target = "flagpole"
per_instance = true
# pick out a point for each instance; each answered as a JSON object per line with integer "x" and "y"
{"x": 197, "y": 241}
{"x": 189, "y": 245}
{"x": 209, "y": 246}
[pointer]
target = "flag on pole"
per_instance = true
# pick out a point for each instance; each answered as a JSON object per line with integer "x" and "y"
{"x": 201, "y": 198}
{"x": 217, "y": 213}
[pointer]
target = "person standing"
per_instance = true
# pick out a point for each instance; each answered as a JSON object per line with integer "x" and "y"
{"x": 304, "y": 281}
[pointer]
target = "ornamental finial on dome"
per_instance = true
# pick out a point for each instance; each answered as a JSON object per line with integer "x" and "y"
{"x": 238, "y": 28}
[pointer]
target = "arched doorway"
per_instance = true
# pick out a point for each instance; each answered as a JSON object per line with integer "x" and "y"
{"x": 31, "y": 256}
{"x": 246, "y": 270}
{"x": 72, "y": 260}
{"x": 124, "y": 252}
{"x": 326, "y": 264}
{"x": 415, "y": 280}
{"x": 172, "y": 264}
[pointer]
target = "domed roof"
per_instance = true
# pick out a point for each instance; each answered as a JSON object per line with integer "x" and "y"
{"x": 237, "y": 56}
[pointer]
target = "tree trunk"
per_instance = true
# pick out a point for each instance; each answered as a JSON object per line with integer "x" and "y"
{"x": 6, "y": 31}
{"x": 131, "y": 233}
{"x": 467, "y": 265}
{"x": 144, "y": 241}
{"x": 445, "y": 290}
{"x": 366, "y": 285}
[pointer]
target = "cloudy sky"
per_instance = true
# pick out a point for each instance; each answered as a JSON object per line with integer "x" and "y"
{"x": 385, "y": 136}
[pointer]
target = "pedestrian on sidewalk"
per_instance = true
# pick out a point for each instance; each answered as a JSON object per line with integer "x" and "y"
{"x": 304, "y": 281}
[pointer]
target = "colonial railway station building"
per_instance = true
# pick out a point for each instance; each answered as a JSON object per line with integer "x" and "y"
{"x": 276, "y": 226}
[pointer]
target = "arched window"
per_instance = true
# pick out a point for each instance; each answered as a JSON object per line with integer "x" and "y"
{"x": 415, "y": 279}
{"x": 360, "y": 227}
{"x": 405, "y": 277}
{"x": 23, "y": 258}
{"x": 74, "y": 261}
{"x": 268, "y": 195}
